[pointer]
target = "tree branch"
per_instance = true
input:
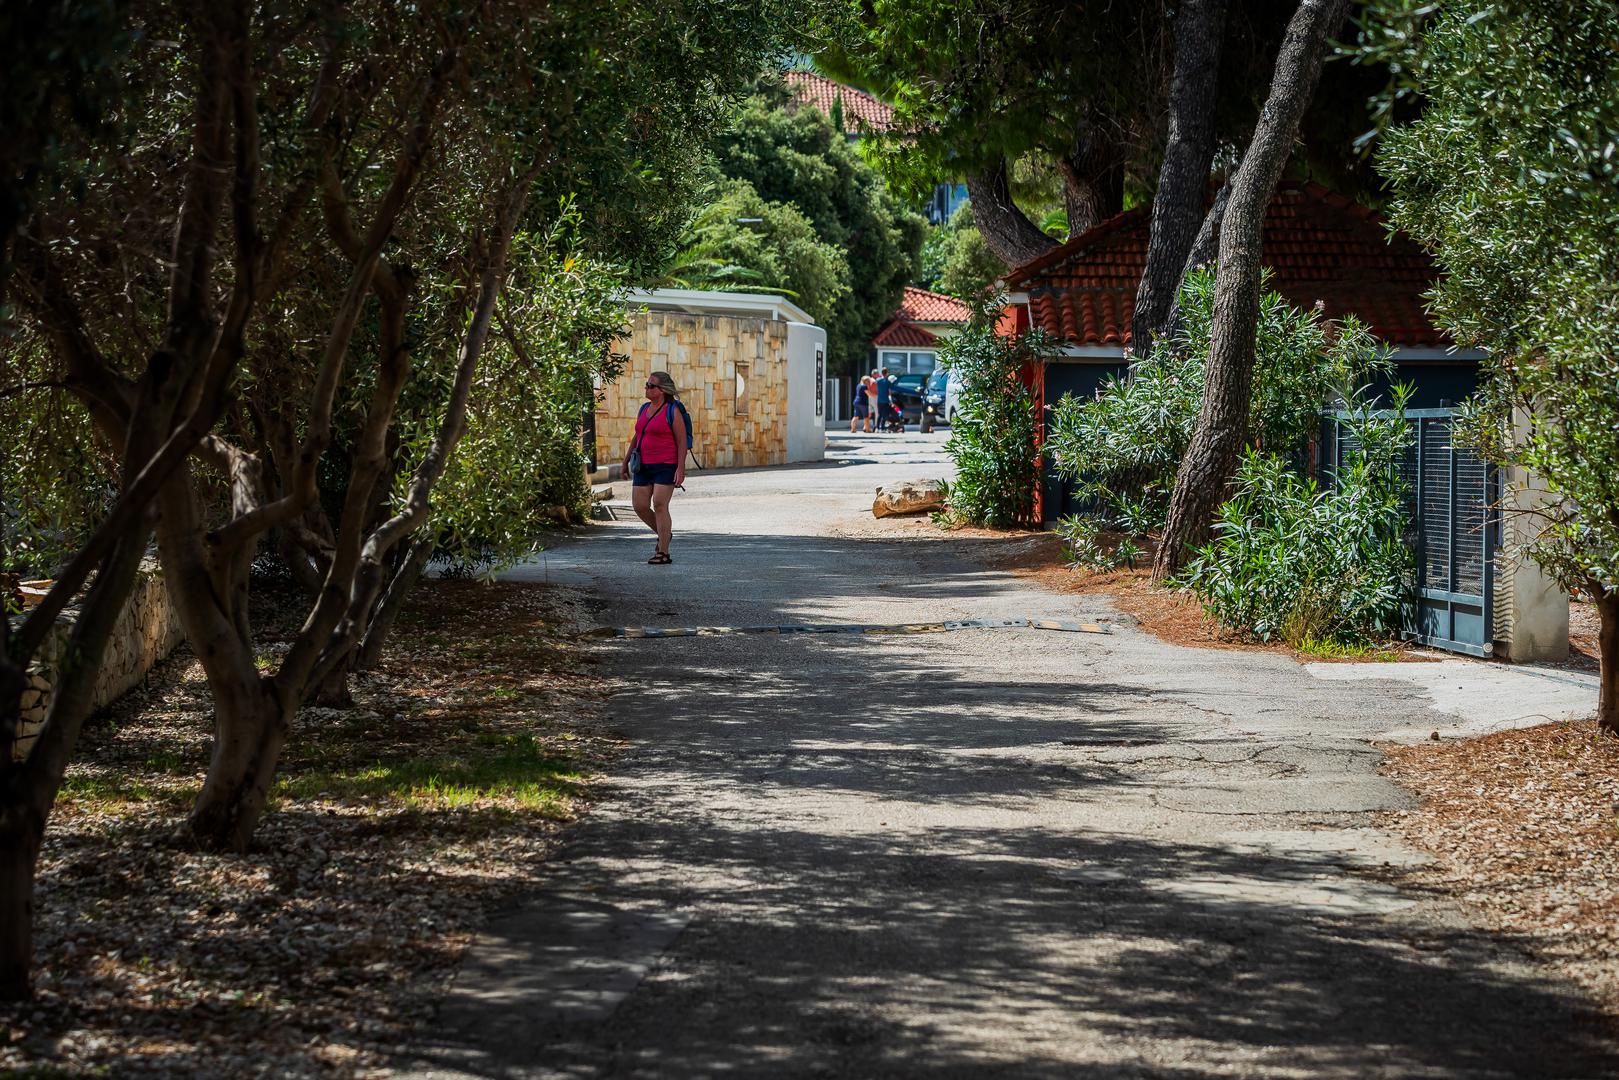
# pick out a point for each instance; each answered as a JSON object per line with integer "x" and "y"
{"x": 1006, "y": 229}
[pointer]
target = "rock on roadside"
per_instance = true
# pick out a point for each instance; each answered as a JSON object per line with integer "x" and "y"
{"x": 909, "y": 497}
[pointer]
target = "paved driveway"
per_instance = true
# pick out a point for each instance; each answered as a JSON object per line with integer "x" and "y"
{"x": 984, "y": 853}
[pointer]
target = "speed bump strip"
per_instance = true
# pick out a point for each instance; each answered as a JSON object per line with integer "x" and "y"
{"x": 849, "y": 628}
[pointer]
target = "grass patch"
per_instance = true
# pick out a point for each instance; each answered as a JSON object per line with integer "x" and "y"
{"x": 517, "y": 770}
{"x": 107, "y": 791}
{"x": 1330, "y": 649}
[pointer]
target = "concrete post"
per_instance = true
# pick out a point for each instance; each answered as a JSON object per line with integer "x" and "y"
{"x": 1531, "y": 611}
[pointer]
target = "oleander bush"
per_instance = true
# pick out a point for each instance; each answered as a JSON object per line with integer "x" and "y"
{"x": 1313, "y": 566}
{"x": 1121, "y": 450}
{"x": 993, "y": 437}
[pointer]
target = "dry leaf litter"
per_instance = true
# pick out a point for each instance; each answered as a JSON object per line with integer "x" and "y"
{"x": 396, "y": 827}
{"x": 1524, "y": 830}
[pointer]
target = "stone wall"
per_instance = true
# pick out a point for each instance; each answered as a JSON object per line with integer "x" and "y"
{"x": 703, "y": 353}
{"x": 147, "y": 632}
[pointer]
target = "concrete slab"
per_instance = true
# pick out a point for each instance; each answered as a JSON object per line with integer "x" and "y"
{"x": 1472, "y": 697}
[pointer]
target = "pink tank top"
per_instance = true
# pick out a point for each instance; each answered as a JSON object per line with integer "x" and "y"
{"x": 656, "y": 433}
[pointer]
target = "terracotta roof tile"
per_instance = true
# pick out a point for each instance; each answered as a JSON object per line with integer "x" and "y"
{"x": 1319, "y": 246}
{"x": 860, "y": 109}
{"x": 898, "y": 333}
{"x": 923, "y": 305}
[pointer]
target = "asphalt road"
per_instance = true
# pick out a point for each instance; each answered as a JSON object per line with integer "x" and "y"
{"x": 986, "y": 853}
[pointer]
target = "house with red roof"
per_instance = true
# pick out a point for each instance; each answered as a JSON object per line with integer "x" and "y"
{"x": 1320, "y": 247}
{"x": 861, "y": 112}
{"x": 864, "y": 114}
{"x": 908, "y": 343}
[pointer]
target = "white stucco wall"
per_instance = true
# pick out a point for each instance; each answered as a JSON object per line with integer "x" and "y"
{"x": 806, "y": 404}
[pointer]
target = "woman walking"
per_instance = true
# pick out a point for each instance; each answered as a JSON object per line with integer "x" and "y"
{"x": 656, "y": 459}
{"x": 862, "y": 409}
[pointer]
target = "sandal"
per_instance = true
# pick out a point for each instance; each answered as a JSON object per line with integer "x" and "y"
{"x": 660, "y": 559}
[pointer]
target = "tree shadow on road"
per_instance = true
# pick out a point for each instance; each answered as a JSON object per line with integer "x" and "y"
{"x": 900, "y": 857}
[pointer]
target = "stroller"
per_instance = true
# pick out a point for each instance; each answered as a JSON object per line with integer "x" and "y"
{"x": 892, "y": 420}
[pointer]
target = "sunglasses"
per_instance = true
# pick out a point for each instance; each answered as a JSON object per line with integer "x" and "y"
{"x": 653, "y": 386}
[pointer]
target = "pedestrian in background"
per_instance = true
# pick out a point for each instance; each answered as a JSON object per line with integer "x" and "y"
{"x": 656, "y": 460}
{"x": 862, "y": 405}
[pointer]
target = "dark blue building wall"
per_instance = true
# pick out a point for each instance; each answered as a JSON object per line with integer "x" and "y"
{"x": 1436, "y": 383}
{"x": 1081, "y": 379}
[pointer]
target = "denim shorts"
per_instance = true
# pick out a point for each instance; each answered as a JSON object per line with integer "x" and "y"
{"x": 648, "y": 475}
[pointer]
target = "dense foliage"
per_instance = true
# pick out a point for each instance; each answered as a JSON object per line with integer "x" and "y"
{"x": 992, "y": 440}
{"x": 55, "y": 481}
{"x": 957, "y": 261}
{"x": 984, "y": 81}
{"x": 795, "y": 156}
{"x": 522, "y": 456}
{"x": 742, "y": 242}
{"x": 1511, "y": 176}
{"x": 1121, "y": 449}
{"x": 275, "y": 288}
{"x": 1315, "y": 567}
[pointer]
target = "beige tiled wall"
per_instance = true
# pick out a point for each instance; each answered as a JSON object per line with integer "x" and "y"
{"x": 702, "y": 352}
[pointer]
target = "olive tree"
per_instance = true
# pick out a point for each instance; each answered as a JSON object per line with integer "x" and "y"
{"x": 304, "y": 237}
{"x": 1511, "y": 177}
{"x": 188, "y": 167}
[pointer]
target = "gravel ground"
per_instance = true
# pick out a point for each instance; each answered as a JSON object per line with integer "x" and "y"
{"x": 397, "y": 827}
{"x": 1524, "y": 830}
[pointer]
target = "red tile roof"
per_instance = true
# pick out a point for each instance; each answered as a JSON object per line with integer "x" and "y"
{"x": 922, "y": 305}
{"x": 1319, "y": 246}
{"x": 898, "y": 333}
{"x": 860, "y": 109}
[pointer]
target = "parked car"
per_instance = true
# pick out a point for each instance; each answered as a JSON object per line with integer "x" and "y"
{"x": 939, "y": 400}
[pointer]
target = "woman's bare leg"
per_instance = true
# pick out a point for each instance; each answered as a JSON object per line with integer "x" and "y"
{"x": 661, "y": 493}
{"x": 641, "y": 499}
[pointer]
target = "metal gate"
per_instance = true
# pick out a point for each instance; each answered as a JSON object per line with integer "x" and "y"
{"x": 1450, "y": 493}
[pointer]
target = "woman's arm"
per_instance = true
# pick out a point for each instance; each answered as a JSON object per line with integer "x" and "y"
{"x": 678, "y": 423}
{"x": 624, "y": 469}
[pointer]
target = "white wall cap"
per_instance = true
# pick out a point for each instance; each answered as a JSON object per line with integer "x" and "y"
{"x": 707, "y": 302}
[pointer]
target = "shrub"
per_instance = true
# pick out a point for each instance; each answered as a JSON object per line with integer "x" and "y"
{"x": 56, "y": 480}
{"x": 992, "y": 439}
{"x": 1122, "y": 449}
{"x": 1312, "y": 566}
{"x": 522, "y": 455}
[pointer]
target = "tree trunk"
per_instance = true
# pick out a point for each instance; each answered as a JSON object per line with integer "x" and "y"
{"x": 334, "y": 691}
{"x": 1005, "y": 228}
{"x": 1177, "y": 209}
{"x": 1608, "y": 654}
{"x": 1092, "y": 179}
{"x": 20, "y": 835}
{"x": 249, "y": 731}
{"x": 1200, "y": 484}
{"x": 392, "y": 602}
{"x": 1204, "y": 249}
{"x": 28, "y": 788}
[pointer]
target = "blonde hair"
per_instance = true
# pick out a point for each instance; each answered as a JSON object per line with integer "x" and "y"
{"x": 665, "y": 383}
